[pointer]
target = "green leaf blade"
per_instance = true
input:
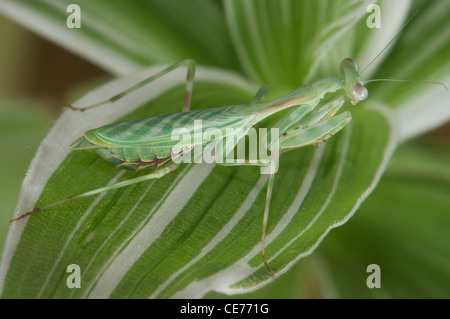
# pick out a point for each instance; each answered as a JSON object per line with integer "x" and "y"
{"x": 402, "y": 227}
{"x": 195, "y": 230}
{"x": 342, "y": 177}
{"x": 288, "y": 43}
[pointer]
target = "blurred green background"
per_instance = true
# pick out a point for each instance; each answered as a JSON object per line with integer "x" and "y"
{"x": 36, "y": 79}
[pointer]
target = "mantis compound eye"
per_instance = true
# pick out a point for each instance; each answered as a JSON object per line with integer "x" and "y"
{"x": 359, "y": 93}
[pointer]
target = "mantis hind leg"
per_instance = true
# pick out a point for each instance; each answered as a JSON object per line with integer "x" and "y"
{"x": 154, "y": 175}
{"x": 187, "y": 95}
{"x": 270, "y": 164}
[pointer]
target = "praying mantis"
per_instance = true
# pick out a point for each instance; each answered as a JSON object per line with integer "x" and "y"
{"x": 147, "y": 144}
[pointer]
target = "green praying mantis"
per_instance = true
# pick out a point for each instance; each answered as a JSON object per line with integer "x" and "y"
{"x": 147, "y": 144}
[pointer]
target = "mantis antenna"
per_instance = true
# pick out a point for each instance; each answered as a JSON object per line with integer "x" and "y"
{"x": 411, "y": 81}
{"x": 387, "y": 45}
{"x": 390, "y": 42}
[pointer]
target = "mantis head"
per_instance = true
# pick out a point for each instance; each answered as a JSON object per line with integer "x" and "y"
{"x": 353, "y": 85}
